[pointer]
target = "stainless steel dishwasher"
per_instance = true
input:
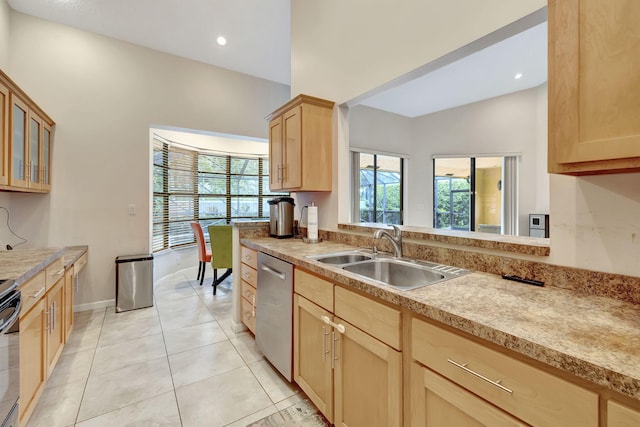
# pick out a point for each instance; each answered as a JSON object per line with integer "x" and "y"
{"x": 274, "y": 312}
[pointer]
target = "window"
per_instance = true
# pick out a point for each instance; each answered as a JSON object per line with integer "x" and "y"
{"x": 210, "y": 188}
{"x": 475, "y": 194}
{"x": 377, "y": 187}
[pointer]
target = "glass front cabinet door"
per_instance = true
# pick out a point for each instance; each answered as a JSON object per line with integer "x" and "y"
{"x": 19, "y": 146}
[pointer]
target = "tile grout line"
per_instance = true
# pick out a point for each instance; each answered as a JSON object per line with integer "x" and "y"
{"x": 86, "y": 382}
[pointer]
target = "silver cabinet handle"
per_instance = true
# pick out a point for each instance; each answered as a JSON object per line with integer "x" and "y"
{"x": 324, "y": 343}
{"x": 37, "y": 294}
{"x": 277, "y": 273}
{"x": 53, "y": 317}
{"x": 482, "y": 377}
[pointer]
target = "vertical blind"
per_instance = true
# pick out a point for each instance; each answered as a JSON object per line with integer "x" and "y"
{"x": 209, "y": 188}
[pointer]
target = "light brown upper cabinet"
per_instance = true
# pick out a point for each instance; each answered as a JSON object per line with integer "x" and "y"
{"x": 26, "y": 133}
{"x": 4, "y": 134}
{"x": 300, "y": 140}
{"x": 594, "y": 86}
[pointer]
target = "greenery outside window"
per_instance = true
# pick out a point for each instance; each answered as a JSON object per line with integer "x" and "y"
{"x": 189, "y": 185}
{"x": 378, "y": 188}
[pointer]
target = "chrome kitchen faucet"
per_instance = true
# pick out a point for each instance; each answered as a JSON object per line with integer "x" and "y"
{"x": 396, "y": 239}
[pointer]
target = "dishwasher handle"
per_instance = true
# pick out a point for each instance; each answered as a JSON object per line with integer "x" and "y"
{"x": 277, "y": 273}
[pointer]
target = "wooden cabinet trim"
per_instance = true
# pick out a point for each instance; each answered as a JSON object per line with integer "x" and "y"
{"x": 377, "y": 319}
{"x": 301, "y": 99}
{"x": 314, "y": 288}
{"x": 249, "y": 256}
{"x": 619, "y": 415}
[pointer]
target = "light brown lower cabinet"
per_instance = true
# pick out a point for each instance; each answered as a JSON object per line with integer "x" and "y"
{"x": 69, "y": 279}
{"x": 439, "y": 402}
{"x": 353, "y": 378}
{"x": 523, "y": 391}
{"x": 619, "y": 415}
{"x": 46, "y": 319}
{"x": 55, "y": 324}
{"x": 33, "y": 365}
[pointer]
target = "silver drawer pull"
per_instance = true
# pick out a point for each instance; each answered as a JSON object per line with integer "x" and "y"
{"x": 482, "y": 377}
{"x": 37, "y": 294}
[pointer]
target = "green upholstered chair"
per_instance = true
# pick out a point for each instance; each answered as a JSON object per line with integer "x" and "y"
{"x": 221, "y": 252}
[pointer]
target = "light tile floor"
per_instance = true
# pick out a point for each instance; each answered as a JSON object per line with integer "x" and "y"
{"x": 177, "y": 363}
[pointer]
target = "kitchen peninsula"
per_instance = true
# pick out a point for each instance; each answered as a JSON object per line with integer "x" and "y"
{"x": 565, "y": 332}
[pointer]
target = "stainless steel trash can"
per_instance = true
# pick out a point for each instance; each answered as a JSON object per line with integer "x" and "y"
{"x": 134, "y": 282}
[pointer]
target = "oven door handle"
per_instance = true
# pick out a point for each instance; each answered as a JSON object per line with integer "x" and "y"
{"x": 6, "y": 325}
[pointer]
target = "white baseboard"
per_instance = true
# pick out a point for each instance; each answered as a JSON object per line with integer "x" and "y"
{"x": 94, "y": 305}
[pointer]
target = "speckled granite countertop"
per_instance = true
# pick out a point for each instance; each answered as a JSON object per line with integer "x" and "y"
{"x": 595, "y": 338}
{"x": 22, "y": 265}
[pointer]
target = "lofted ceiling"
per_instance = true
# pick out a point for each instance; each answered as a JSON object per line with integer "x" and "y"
{"x": 258, "y": 44}
{"x": 257, "y": 31}
{"x": 484, "y": 74}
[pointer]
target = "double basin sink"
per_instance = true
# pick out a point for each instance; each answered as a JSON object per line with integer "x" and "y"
{"x": 400, "y": 273}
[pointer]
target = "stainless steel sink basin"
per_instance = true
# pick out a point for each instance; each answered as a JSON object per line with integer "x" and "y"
{"x": 342, "y": 258}
{"x": 399, "y": 274}
{"x": 395, "y": 272}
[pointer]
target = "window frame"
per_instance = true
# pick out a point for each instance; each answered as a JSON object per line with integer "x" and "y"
{"x": 188, "y": 179}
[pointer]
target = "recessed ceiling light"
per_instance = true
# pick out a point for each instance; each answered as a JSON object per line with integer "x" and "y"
{"x": 517, "y": 76}
{"x": 221, "y": 41}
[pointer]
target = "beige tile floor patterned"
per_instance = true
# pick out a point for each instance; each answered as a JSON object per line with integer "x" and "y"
{"x": 177, "y": 363}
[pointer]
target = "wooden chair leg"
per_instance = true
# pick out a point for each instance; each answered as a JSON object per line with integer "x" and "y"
{"x": 204, "y": 267}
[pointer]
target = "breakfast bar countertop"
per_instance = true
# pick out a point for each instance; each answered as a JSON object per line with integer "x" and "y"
{"x": 595, "y": 338}
{"x": 22, "y": 264}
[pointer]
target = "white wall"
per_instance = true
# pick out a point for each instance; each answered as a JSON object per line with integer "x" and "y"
{"x": 340, "y": 50}
{"x": 501, "y": 125}
{"x": 104, "y": 95}
{"x": 5, "y": 21}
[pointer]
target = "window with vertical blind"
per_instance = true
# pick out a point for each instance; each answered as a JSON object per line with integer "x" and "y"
{"x": 189, "y": 185}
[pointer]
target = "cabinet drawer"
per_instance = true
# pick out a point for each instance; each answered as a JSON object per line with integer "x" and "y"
{"x": 248, "y": 291}
{"x": 54, "y": 272}
{"x": 32, "y": 292}
{"x": 533, "y": 395}
{"x": 314, "y": 289}
{"x": 249, "y": 257}
{"x": 376, "y": 319}
{"x": 249, "y": 275}
{"x": 248, "y": 315}
{"x": 80, "y": 263}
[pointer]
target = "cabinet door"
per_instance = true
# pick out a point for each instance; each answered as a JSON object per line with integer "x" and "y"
{"x": 312, "y": 354}
{"x": 368, "y": 380}
{"x": 55, "y": 332}
{"x": 292, "y": 156}
{"x": 275, "y": 154}
{"x": 45, "y": 157}
{"x": 33, "y": 368}
{"x": 438, "y": 402}
{"x": 35, "y": 143}
{"x": 621, "y": 416}
{"x": 18, "y": 147}
{"x": 4, "y": 135}
{"x": 594, "y": 86}
{"x": 68, "y": 302}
